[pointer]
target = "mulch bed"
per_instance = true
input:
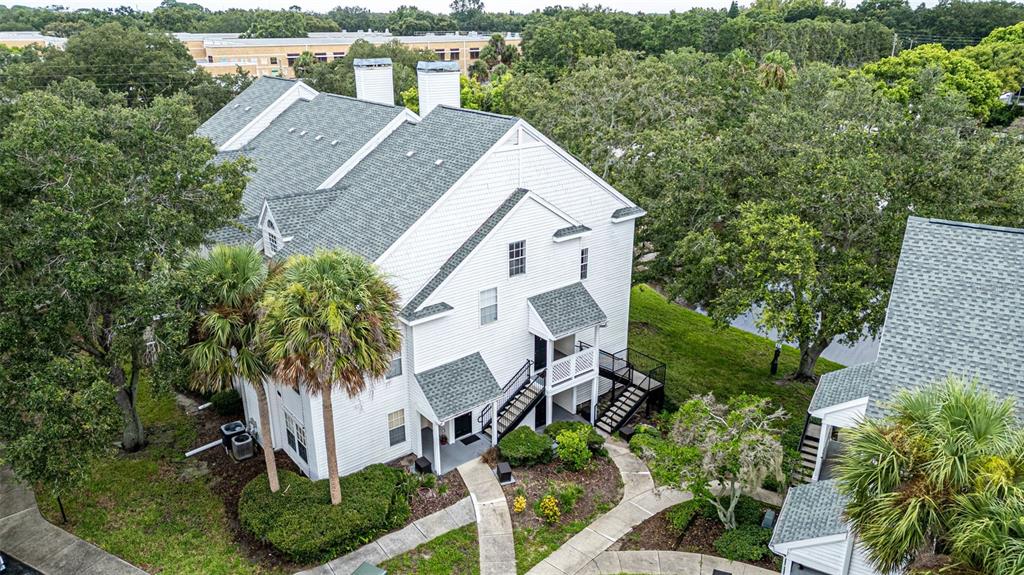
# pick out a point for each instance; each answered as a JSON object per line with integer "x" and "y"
{"x": 427, "y": 501}
{"x": 655, "y": 533}
{"x": 601, "y": 484}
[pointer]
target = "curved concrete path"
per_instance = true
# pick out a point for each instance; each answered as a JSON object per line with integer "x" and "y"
{"x": 640, "y": 500}
{"x": 493, "y": 520}
{"x": 31, "y": 539}
{"x": 666, "y": 563}
{"x": 405, "y": 539}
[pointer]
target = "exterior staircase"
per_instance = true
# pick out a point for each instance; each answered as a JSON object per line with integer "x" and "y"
{"x": 519, "y": 396}
{"x": 637, "y": 380}
{"x": 808, "y": 451}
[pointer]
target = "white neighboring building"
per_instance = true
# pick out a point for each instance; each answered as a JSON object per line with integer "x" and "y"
{"x": 956, "y": 308}
{"x": 512, "y": 260}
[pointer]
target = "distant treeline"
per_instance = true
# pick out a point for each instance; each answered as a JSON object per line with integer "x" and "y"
{"x": 826, "y": 31}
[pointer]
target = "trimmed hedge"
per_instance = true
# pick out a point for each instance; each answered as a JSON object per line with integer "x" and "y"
{"x": 525, "y": 447}
{"x": 745, "y": 543}
{"x": 226, "y": 402}
{"x": 594, "y": 439}
{"x": 681, "y": 515}
{"x": 300, "y": 522}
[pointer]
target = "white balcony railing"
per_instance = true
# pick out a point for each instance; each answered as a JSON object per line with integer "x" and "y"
{"x": 572, "y": 367}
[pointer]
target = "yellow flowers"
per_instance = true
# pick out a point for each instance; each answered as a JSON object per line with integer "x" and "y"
{"x": 519, "y": 504}
{"x": 549, "y": 509}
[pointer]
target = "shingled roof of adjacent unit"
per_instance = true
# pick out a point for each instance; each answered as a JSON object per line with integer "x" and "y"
{"x": 842, "y": 385}
{"x": 957, "y": 308}
{"x": 230, "y": 119}
{"x": 810, "y": 511}
{"x": 386, "y": 192}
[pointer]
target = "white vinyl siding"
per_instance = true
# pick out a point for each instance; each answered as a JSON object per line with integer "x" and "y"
{"x": 488, "y": 306}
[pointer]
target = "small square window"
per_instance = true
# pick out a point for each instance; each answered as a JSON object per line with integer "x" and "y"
{"x": 396, "y": 367}
{"x": 517, "y": 258}
{"x": 292, "y": 58}
{"x": 339, "y": 55}
{"x": 440, "y": 54}
{"x": 488, "y": 306}
{"x": 584, "y": 263}
{"x": 273, "y": 60}
{"x": 474, "y": 53}
{"x": 321, "y": 56}
{"x": 396, "y": 427}
{"x": 453, "y": 54}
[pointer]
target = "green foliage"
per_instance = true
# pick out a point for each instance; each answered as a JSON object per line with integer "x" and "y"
{"x": 547, "y": 509}
{"x": 338, "y": 75}
{"x": 554, "y": 45}
{"x": 280, "y": 24}
{"x": 745, "y": 543}
{"x": 905, "y": 77}
{"x": 1002, "y": 53}
{"x": 227, "y": 402}
{"x": 457, "y": 551}
{"x": 567, "y": 494}
{"x": 300, "y": 522}
{"x": 680, "y": 516}
{"x": 573, "y": 449}
{"x": 749, "y": 511}
{"x": 595, "y": 441}
{"x": 669, "y": 459}
{"x": 525, "y": 447}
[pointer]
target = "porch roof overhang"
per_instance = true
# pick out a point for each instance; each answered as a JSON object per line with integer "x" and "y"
{"x": 458, "y": 386}
{"x": 812, "y": 513}
{"x": 841, "y": 387}
{"x": 563, "y": 311}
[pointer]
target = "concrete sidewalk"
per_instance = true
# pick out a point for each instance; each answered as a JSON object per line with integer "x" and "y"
{"x": 405, "y": 539}
{"x": 493, "y": 520}
{"x": 666, "y": 563}
{"x": 34, "y": 541}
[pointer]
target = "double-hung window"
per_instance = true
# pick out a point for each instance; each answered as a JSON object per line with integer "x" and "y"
{"x": 488, "y": 306}
{"x": 296, "y": 433}
{"x": 517, "y": 258}
{"x": 396, "y": 367}
{"x": 396, "y": 427}
{"x": 584, "y": 263}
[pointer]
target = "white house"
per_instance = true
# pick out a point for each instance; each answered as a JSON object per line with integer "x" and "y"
{"x": 512, "y": 260}
{"x": 956, "y": 308}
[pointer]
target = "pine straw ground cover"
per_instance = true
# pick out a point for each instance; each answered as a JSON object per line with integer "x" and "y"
{"x": 596, "y": 489}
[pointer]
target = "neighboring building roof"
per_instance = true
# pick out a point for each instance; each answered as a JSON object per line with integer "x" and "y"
{"x": 386, "y": 192}
{"x": 428, "y": 311}
{"x": 294, "y": 213}
{"x": 810, "y": 511}
{"x": 230, "y": 119}
{"x": 628, "y": 211}
{"x": 437, "y": 66}
{"x": 458, "y": 386}
{"x": 458, "y": 256}
{"x": 568, "y": 309}
{"x": 371, "y": 62}
{"x": 842, "y": 385}
{"x": 956, "y": 307}
{"x": 245, "y": 232}
{"x": 571, "y": 231}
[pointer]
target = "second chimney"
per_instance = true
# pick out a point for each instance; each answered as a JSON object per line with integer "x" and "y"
{"x": 438, "y": 83}
{"x": 374, "y": 80}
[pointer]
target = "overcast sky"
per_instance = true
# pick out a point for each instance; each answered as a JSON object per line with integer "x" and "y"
{"x": 387, "y": 5}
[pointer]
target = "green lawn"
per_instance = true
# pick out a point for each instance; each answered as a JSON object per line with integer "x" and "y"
{"x": 141, "y": 508}
{"x": 454, "y": 552}
{"x": 533, "y": 544}
{"x": 726, "y": 362}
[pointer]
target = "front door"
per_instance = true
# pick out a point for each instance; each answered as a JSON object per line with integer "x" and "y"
{"x": 540, "y": 353}
{"x": 463, "y": 425}
{"x": 541, "y": 414}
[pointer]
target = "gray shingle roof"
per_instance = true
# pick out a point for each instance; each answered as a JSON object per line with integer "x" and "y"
{"x": 567, "y": 309}
{"x": 571, "y": 231}
{"x": 957, "y": 307}
{"x": 628, "y": 211}
{"x": 458, "y": 256}
{"x": 294, "y": 213}
{"x": 243, "y": 108}
{"x": 842, "y": 385}
{"x": 810, "y": 511}
{"x": 428, "y": 311}
{"x": 233, "y": 236}
{"x": 458, "y": 386}
{"x": 389, "y": 190}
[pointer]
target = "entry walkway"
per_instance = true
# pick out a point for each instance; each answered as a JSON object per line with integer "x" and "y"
{"x": 640, "y": 500}
{"x": 493, "y": 520}
{"x": 667, "y": 563}
{"x": 36, "y": 542}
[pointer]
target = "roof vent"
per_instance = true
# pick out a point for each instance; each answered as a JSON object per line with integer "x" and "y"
{"x": 410, "y": 153}
{"x": 303, "y": 133}
{"x": 318, "y": 138}
{"x": 438, "y": 162}
{"x": 290, "y": 130}
{"x": 236, "y": 105}
{"x": 334, "y": 142}
{"x": 247, "y": 108}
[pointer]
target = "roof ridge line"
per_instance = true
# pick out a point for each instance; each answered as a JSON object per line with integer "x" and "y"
{"x": 973, "y": 225}
{"x": 480, "y": 112}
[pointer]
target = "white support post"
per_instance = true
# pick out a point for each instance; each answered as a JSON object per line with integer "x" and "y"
{"x": 597, "y": 379}
{"x": 547, "y": 382}
{"x": 494, "y": 423}
{"x": 437, "y": 447}
{"x": 823, "y": 439}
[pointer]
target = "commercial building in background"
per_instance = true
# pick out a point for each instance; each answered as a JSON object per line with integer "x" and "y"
{"x": 22, "y": 39}
{"x": 224, "y": 53}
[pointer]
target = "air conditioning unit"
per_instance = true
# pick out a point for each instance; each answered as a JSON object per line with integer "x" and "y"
{"x": 242, "y": 446}
{"x": 229, "y": 430}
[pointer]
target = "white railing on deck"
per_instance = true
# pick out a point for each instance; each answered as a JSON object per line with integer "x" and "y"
{"x": 573, "y": 366}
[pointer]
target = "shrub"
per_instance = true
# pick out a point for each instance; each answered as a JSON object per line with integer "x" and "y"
{"x": 749, "y": 511}
{"x": 666, "y": 459}
{"x": 680, "y": 516}
{"x": 519, "y": 504}
{"x": 572, "y": 448}
{"x": 227, "y": 402}
{"x": 548, "y": 509}
{"x": 567, "y": 494}
{"x": 745, "y": 543}
{"x": 594, "y": 439}
{"x": 524, "y": 447}
{"x": 300, "y": 522}
{"x": 428, "y": 480}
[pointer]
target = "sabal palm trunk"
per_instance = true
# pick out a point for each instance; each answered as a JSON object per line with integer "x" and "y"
{"x": 268, "y": 436}
{"x": 332, "y": 451}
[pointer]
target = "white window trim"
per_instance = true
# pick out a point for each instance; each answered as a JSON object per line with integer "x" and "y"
{"x": 584, "y": 263}
{"x": 518, "y": 261}
{"x": 297, "y": 424}
{"x": 403, "y": 426}
{"x": 481, "y": 306}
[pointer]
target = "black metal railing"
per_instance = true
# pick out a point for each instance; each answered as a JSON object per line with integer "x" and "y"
{"x": 510, "y": 390}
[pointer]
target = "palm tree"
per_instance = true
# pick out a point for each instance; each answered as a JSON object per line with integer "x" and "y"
{"x": 988, "y": 532}
{"x": 231, "y": 281}
{"x": 330, "y": 323}
{"x": 906, "y": 474}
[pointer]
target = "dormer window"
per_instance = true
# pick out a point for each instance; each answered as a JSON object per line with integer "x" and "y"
{"x": 272, "y": 240}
